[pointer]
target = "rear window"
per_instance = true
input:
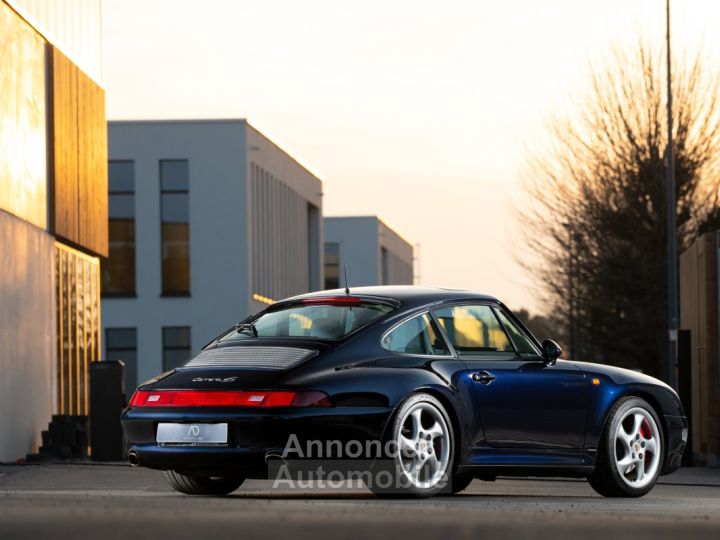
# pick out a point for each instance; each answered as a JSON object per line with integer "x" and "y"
{"x": 331, "y": 319}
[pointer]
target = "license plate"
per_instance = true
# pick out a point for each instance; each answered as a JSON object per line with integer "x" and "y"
{"x": 192, "y": 434}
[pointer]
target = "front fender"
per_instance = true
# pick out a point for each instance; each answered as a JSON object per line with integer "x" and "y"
{"x": 664, "y": 401}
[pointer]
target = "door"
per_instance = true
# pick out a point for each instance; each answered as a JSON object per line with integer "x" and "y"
{"x": 521, "y": 401}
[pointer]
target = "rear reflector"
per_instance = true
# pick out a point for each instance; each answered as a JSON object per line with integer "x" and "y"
{"x": 228, "y": 398}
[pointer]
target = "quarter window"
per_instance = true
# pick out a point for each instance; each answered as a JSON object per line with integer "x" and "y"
{"x": 474, "y": 330}
{"x": 415, "y": 336}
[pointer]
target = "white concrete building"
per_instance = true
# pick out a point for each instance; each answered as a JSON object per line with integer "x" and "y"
{"x": 209, "y": 222}
{"x": 374, "y": 253}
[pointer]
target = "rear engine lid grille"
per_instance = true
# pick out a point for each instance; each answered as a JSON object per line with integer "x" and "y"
{"x": 256, "y": 358}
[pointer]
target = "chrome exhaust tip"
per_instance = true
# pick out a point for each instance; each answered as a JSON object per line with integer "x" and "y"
{"x": 133, "y": 458}
{"x": 272, "y": 455}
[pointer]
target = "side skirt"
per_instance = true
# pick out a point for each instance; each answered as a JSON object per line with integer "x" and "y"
{"x": 489, "y": 472}
{"x": 528, "y": 462}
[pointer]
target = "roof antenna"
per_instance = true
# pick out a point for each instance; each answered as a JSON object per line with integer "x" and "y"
{"x": 347, "y": 287}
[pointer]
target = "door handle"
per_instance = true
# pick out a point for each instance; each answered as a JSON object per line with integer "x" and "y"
{"x": 483, "y": 377}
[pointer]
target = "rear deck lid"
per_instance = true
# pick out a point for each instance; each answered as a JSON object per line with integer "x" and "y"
{"x": 240, "y": 366}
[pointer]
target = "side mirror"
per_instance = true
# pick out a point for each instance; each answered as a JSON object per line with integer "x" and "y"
{"x": 551, "y": 351}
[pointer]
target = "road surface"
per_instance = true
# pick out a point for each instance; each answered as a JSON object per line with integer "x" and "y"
{"x": 70, "y": 501}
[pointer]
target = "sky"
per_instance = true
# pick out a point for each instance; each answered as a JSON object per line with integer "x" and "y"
{"x": 420, "y": 112}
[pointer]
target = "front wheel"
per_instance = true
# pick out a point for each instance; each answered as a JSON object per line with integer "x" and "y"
{"x": 630, "y": 454}
{"x": 423, "y": 437}
{"x": 203, "y": 485}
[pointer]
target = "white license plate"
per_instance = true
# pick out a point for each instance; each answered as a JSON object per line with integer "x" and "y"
{"x": 192, "y": 434}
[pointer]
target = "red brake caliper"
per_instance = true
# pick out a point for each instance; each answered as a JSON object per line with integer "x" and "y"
{"x": 646, "y": 433}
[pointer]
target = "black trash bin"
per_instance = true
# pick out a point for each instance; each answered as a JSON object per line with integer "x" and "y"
{"x": 107, "y": 400}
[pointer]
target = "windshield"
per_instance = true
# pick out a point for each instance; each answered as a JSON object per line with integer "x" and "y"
{"x": 331, "y": 319}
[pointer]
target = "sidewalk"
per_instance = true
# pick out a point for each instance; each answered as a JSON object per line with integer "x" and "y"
{"x": 693, "y": 476}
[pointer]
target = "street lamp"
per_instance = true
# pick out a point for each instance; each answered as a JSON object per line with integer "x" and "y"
{"x": 672, "y": 270}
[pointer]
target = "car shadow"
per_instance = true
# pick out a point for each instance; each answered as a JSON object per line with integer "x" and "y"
{"x": 369, "y": 496}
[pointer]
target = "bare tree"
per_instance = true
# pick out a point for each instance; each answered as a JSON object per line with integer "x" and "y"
{"x": 599, "y": 224}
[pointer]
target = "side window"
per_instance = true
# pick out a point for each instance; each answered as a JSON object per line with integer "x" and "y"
{"x": 521, "y": 341}
{"x": 474, "y": 330}
{"x": 416, "y": 336}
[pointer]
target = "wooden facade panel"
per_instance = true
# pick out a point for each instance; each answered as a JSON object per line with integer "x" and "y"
{"x": 92, "y": 181}
{"x": 78, "y": 326}
{"x": 64, "y": 146}
{"x": 79, "y": 144}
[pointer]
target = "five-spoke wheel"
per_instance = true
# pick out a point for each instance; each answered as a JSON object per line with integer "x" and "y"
{"x": 423, "y": 458}
{"x": 630, "y": 452}
{"x": 637, "y": 447}
{"x": 424, "y": 445}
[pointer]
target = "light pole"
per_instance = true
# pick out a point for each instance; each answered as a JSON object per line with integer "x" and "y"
{"x": 672, "y": 262}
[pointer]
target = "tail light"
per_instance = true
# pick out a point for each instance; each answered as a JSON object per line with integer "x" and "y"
{"x": 334, "y": 300}
{"x": 229, "y": 398}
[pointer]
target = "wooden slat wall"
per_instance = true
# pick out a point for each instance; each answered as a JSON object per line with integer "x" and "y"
{"x": 79, "y": 144}
{"x": 64, "y": 146}
{"x": 699, "y": 313}
{"x": 78, "y": 326}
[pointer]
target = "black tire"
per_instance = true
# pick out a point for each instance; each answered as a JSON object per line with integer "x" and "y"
{"x": 606, "y": 479}
{"x": 203, "y": 485}
{"x": 399, "y": 487}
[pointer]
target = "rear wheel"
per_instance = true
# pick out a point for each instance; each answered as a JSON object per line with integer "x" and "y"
{"x": 203, "y": 485}
{"x": 424, "y": 441}
{"x": 630, "y": 454}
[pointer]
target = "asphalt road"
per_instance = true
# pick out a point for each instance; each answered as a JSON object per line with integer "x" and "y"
{"x": 72, "y": 501}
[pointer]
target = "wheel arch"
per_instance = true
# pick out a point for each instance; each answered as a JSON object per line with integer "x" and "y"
{"x": 652, "y": 401}
{"x": 450, "y": 408}
{"x": 660, "y": 413}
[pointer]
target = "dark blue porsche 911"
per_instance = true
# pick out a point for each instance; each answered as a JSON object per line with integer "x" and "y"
{"x": 450, "y": 379}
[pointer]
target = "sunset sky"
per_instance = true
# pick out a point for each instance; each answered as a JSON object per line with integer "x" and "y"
{"x": 420, "y": 112}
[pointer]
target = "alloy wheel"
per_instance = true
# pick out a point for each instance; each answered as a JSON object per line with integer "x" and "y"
{"x": 637, "y": 447}
{"x": 424, "y": 446}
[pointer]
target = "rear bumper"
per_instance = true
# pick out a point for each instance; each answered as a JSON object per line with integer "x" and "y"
{"x": 253, "y": 435}
{"x": 676, "y": 429}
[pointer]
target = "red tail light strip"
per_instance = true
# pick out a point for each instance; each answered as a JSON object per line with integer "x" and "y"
{"x": 334, "y": 300}
{"x": 228, "y": 398}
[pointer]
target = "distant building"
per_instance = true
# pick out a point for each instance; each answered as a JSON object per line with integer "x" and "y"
{"x": 53, "y": 213}
{"x": 700, "y": 337}
{"x": 373, "y": 252}
{"x": 209, "y": 221}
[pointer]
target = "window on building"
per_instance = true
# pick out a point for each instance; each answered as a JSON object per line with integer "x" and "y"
{"x": 332, "y": 265}
{"x": 313, "y": 235}
{"x": 384, "y": 266}
{"x": 118, "y": 270}
{"x": 175, "y": 215}
{"x": 416, "y": 336}
{"x": 121, "y": 344}
{"x": 474, "y": 330}
{"x": 176, "y": 346}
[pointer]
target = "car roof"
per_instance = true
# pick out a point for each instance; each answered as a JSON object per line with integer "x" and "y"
{"x": 406, "y": 294}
